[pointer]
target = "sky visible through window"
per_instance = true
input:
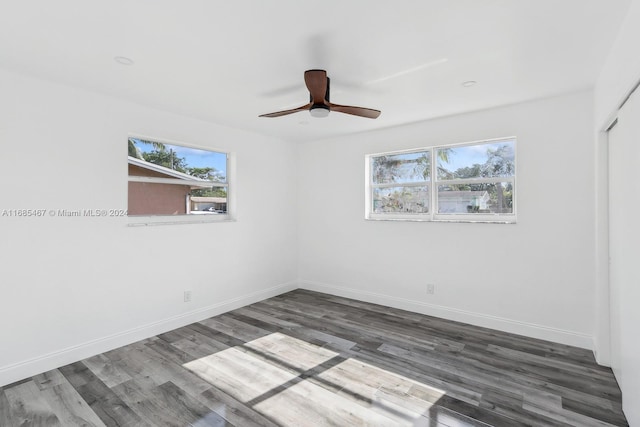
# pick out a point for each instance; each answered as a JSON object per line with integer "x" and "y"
{"x": 466, "y": 156}
{"x": 194, "y": 157}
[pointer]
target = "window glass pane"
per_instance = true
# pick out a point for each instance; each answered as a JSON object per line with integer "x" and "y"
{"x": 203, "y": 164}
{"x": 495, "y": 159}
{"x": 401, "y": 168}
{"x": 410, "y": 200}
{"x": 186, "y": 176}
{"x": 476, "y": 198}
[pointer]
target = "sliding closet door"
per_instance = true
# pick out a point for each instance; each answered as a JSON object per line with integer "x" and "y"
{"x": 624, "y": 253}
{"x": 615, "y": 193}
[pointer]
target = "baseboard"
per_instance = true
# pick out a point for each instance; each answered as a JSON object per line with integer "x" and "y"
{"x": 487, "y": 321}
{"x": 601, "y": 353}
{"x": 36, "y": 365}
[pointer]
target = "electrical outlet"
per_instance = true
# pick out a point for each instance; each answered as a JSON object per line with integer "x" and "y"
{"x": 187, "y": 296}
{"x": 431, "y": 288}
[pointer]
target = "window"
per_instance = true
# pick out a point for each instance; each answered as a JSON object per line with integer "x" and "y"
{"x": 400, "y": 183}
{"x": 167, "y": 179}
{"x": 465, "y": 182}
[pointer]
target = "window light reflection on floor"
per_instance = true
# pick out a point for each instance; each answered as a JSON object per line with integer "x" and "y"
{"x": 288, "y": 379}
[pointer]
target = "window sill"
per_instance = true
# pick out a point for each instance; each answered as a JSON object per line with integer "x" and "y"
{"x": 144, "y": 221}
{"x": 453, "y": 220}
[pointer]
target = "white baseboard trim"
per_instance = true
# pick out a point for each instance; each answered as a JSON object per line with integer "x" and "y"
{"x": 37, "y": 365}
{"x": 478, "y": 319}
{"x": 602, "y": 353}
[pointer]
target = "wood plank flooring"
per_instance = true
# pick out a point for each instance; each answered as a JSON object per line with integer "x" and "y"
{"x": 311, "y": 359}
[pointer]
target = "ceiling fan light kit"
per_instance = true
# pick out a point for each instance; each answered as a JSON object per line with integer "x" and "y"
{"x": 319, "y": 111}
{"x": 319, "y": 105}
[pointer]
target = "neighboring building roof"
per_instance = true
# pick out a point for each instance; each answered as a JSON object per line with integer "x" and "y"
{"x": 161, "y": 169}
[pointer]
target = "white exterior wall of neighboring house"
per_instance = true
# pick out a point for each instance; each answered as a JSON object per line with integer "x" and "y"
{"x": 459, "y": 201}
{"x": 203, "y": 203}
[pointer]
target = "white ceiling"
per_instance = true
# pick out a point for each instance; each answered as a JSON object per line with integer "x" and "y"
{"x": 229, "y": 61}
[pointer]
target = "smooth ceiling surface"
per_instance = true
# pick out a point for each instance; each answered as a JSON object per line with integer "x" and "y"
{"x": 229, "y": 61}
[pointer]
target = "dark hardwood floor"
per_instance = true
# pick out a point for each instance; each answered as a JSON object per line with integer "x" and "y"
{"x": 310, "y": 359}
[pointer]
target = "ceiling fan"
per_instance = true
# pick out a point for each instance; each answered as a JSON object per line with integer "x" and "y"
{"x": 319, "y": 106}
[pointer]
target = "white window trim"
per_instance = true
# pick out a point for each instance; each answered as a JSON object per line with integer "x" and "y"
{"x": 152, "y": 220}
{"x": 432, "y": 184}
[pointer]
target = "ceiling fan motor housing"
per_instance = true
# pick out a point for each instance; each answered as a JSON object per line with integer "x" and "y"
{"x": 327, "y": 93}
{"x": 320, "y": 110}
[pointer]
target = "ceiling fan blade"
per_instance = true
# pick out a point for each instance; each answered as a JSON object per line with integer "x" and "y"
{"x": 316, "y": 81}
{"x": 285, "y": 112}
{"x": 355, "y": 111}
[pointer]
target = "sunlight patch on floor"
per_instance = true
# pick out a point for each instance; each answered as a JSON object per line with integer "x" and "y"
{"x": 292, "y": 381}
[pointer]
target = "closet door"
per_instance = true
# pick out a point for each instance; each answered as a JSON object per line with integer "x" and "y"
{"x": 624, "y": 253}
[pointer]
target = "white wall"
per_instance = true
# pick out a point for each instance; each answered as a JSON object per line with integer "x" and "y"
{"x": 619, "y": 74}
{"x": 621, "y": 70}
{"x": 535, "y": 277}
{"x": 72, "y": 287}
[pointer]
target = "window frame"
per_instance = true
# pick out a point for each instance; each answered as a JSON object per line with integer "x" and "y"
{"x": 162, "y": 219}
{"x": 369, "y": 214}
{"x": 435, "y": 182}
